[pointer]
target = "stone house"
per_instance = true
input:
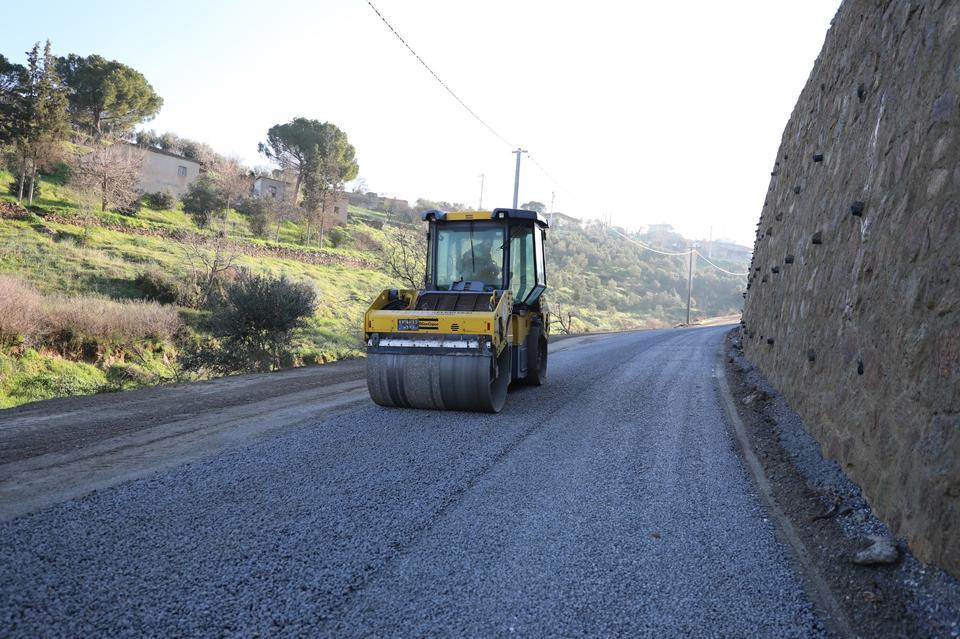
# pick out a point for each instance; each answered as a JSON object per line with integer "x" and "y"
{"x": 564, "y": 221}
{"x": 383, "y": 204}
{"x": 165, "y": 171}
{"x": 727, "y": 251}
{"x": 280, "y": 190}
{"x": 336, "y": 208}
{"x": 271, "y": 188}
{"x": 660, "y": 228}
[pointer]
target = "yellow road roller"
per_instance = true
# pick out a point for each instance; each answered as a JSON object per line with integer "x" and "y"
{"x": 479, "y": 323}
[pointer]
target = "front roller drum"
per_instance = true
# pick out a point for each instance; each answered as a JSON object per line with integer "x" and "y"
{"x": 467, "y": 382}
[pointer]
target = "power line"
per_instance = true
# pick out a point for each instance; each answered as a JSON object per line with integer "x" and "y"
{"x": 464, "y": 104}
{"x": 556, "y": 182}
{"x": 683, "y": 253}
{"x": 649, "y": 248}
{"x": 718, "y": 267}
{"x": 531, "y": 158}
{"x": 437, "y": 78}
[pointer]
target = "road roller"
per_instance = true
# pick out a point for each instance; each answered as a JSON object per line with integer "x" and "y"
{"x": 480, "y": 322}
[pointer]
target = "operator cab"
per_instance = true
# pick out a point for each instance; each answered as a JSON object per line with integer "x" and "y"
{"x": 483, "y": 252}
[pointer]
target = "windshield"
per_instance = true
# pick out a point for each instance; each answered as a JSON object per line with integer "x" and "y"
{"x": 470, "y": 253}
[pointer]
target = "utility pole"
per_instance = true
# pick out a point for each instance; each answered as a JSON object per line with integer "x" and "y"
{"x": 553, "y": 196}
{"x": 480, "y": 207}
{"x": 690, "y": 280}
{"x": 516, "y": 179}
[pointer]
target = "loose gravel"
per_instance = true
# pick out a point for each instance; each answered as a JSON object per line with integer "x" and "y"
{"x": 931, "y": 596}
{"x": 608, "y": 502}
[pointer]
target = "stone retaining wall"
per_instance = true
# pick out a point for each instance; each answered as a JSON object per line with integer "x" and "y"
{"x": 853, "y": 303}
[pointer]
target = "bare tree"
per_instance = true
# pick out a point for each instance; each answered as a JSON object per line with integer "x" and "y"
{"x": 360, "y": 185}
{"x": 562, "y": 319}
{"x": 210, "y": 258}
{"x": 235, "y": 180}
{"x": 404, "y": 256}
{"x": 111, "y": 170}
{"x": 284, "y": 212}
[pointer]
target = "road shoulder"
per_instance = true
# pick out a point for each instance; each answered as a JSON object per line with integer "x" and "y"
{"x": 831, "y": 519}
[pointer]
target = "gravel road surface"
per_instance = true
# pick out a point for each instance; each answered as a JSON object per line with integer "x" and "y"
{"x": 608, "y": 502}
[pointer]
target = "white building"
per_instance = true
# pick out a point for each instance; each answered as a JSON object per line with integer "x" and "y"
{"x": 164, "y": 171}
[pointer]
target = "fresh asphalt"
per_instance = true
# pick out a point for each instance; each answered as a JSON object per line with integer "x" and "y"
{"x": 610, "y": 502}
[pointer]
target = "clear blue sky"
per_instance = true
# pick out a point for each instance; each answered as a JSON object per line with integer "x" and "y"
{"x": 642, "y": 112}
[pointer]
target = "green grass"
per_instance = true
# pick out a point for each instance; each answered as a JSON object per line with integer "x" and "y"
{"x": 30, "y": 376}
{"x": 168, "y": 218}
{"x": 108, "y": 261}
{"x": 33, "y": 376}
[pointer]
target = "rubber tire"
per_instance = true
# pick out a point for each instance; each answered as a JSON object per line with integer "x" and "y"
{"x": 536, "y": 357}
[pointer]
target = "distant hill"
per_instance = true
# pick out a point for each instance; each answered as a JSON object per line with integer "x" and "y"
{"x": 607, "y": 281}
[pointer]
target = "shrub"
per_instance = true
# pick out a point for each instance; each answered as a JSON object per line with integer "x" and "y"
{"x": 202, "y": 200}
{"x": 362, "y": 239}
{"x": 21, "y": 311}
{"x": 258, "y": 213}
{"x": 123, "y": 376}
{"x": 60, "y": 173}
{"x": 14, "y": 188}
{"x": 130, "y": 209}
{"x": 258, "y": 224}
{"x": 90, "y": 323}
{"x": 80, "y": 323}
{"x": 337, "y": 236}
{"x": 161, "y": 200}
{"x": 254, "y": 324}
{"x": 251, "y": 205}
{"x": 158, "y": 286}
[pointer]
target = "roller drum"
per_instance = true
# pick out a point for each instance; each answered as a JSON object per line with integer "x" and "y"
{"x": 439, "y": 381}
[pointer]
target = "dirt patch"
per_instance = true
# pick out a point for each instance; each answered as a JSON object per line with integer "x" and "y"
{"x": 835, "y": 522}
{"x": 71, "y": 423}
{"x": 12, "y": 210}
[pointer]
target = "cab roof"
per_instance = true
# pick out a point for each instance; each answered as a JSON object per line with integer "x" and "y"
{"x": 495, "y": 214}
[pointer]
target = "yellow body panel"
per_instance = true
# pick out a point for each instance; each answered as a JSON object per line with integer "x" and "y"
{"x": 496, "y": 324}
{"x": 459, "y": 216}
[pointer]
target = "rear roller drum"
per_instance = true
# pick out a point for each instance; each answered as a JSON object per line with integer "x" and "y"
{"x": 439, "y": 382}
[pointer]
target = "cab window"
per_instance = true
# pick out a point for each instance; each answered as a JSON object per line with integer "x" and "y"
{"x": 523, "y": 273}
{"x": 469, "y": 254}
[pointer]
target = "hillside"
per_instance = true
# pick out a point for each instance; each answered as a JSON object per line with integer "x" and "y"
{"x": 598, "y": 280}
{"x": 607, "y": 282}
